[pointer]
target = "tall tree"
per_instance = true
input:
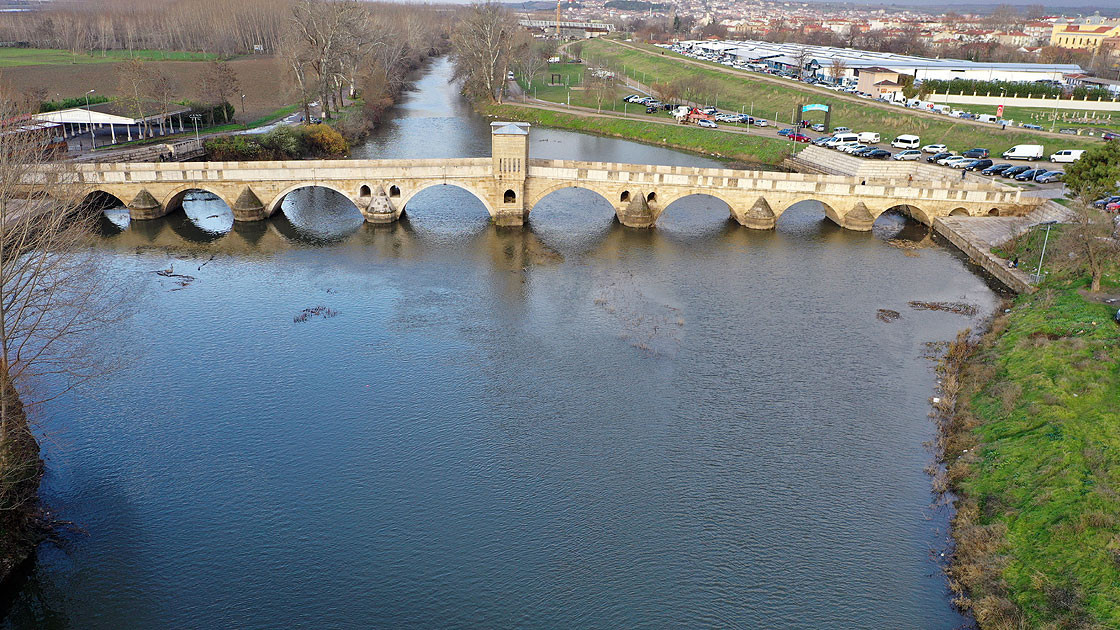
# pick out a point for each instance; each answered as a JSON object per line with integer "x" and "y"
{"x": 1091, "y": 238}
{"x": 481, "y": 44}
{"x": 219, "y": 85}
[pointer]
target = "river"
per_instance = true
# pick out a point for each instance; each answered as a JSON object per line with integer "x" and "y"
{"x": 568, "y": 425}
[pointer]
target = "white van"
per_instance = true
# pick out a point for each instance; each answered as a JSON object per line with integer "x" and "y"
{"x": 868, "y": 137}
{"x": 841, "y": 138}
{"x": 1024, "y": 152}
{"x": 907, "y": 141}
{"x": 988, "y": 118}
{"x": 1067, "y": 155}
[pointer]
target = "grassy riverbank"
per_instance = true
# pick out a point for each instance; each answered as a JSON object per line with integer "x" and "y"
{"x": 776, "y": 99}
{"x": 1033, "y": 451}
{"x": 754, "y": 150}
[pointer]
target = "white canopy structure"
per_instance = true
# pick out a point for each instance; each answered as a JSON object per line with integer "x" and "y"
{"x": 81, "y": 120}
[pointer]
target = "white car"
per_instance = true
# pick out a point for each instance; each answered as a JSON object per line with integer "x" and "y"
{"x": 706, "y": 123}
{"x": 949, "y": 161}
{"x": 934, "y": 148}
{"x": 844, "y": 145}
{"x": 852, "y": 148}
{"x": 761, "y": 122}
{"x": 965, "y": 163}
{"x": 840, "y": 129}
{"x": 912, "y": 154}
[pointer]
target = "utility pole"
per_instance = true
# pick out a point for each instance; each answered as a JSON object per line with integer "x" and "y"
{"x": 195, "y": 118}
{"x": 92, "y": 142}
{"x": 1038, "y": 272}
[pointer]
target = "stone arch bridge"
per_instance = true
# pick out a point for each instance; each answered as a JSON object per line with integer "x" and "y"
{"x": 510, "y": 184}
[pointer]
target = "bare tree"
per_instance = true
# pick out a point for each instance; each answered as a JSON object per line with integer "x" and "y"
{"x": 219, "y": 84}
{"x": 134, "y": 81}
{"x": 481, "y": 44}
{"x": 836, "y": 69}
{"x": 601, "y": 85}
{"x": 53, "y": 298}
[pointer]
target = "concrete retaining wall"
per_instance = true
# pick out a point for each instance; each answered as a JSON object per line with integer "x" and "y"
{"x": 1011, "y": 278}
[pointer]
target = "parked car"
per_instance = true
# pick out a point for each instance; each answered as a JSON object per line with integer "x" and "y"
{"x": 1110, "y": 136}
{"x": 963, "y": 164}
{"x": 761, "y": 122}
{"x": 995, "y": 169}
{"x": 1024, "y": 152}
{"x": 1029, "y": 174}
{"x": 863, "y": 152}
{"x": 1113, "y": 207}
{"x": 979, "y": 165}
{"x": 934, "y": 148}
{"x": 797, "y": 137}
{"x": 1014, "y": 170}
{"x": 878, "y": 154}
{"x": 852, "y": 148}
{"x": 704, "y": 122}
{"x": 1035, "y": 127}
{"x": 939, "y": 156}
{"x": 785, "y": 132}
{"x": 909, "y": 154}
{"x": 1050, "y": 176}
{"x": 869, "y": 137}
{"x": 1072, "y": 132}
{"x": 820, "y": 142}
{"x": 949, "y": 161}
{"x": 817, "y": 127}
{"x": 710, "y": 111}
{"x": 841, "y": 129}
{"x": 1104, "y": 201}
{"x": 976, "y": 153}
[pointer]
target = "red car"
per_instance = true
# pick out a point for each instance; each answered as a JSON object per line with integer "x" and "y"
{"x": 1113, "y": 207}
{"x": 796, "y": 137}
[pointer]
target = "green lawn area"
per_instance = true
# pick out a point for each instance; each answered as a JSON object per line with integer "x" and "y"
{"x": 11, "y": 57}
{"x": 1037, "y": 462}
{"x": 1043, "y": 117}
{"x": 776, "y": 101}
{"x": 753, "y": 149}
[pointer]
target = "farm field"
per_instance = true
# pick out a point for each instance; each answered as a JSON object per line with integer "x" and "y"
{"x": 16, "y": 57}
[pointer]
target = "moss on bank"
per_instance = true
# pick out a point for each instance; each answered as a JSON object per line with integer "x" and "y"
{"x": 1033, "y": 452}
{"x": 20, "y": 472}
{"x": 755, "y": 150}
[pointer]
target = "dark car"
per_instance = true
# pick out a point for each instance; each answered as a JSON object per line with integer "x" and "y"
{"x": 864, "y": 151}
{"x": 878, "y": 154}
{"x": 1029, "y": 174}
{"x": 996, "y": 169}
{"x": 1104, "y": 201}
{"x": 976, "y": 154}
{"x": 1072, "y": 132}
{"x": 785, "y": 132}
{"x": 797, "y": 137}
{"x": 1014, "y": 170}
{"x": 979, "y": 165}
{"x": 939, "y": 156}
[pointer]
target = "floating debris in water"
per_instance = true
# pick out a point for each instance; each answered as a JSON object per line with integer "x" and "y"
{"x": 960, "y": 308}
{"x": 318, "y": 311}
{"x": 887, "y": 315}
{"x": 182, "y": 280}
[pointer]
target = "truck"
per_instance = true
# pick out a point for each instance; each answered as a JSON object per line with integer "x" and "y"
{"x": 1024, "y": 152}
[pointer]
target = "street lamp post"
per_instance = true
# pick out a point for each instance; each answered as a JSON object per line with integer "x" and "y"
{"x": 92, "y": 142}
{"x": 242, "y": 105}
{"x": 195, "y": 118}
{"x": 1045, "y": 239}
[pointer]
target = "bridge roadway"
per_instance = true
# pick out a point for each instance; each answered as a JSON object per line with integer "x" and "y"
{"x": 510, "y": 184}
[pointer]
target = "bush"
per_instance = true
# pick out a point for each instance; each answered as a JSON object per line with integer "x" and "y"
{"x": 284, "y": 142}
{"x": 324, "y": 141}
{"x": 233, "y": 148}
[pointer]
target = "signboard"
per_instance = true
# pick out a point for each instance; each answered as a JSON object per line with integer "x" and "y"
{"x": 999, "y": 111}
{"x": 814, "y": 108}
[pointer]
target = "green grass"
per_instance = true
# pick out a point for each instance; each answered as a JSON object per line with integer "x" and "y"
{"x": 1044, "y": 117}
{"x": 775, "y": 101}
{"x": 11, "y": 57}
{"x": 712, "y": 142}
{"x": 1047, "y": 459}
{"x": 274, "y": 115}
{"x": 233, "y": 126}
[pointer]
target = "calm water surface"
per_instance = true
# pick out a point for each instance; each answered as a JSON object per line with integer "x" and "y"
{"x": 569, "y": 425}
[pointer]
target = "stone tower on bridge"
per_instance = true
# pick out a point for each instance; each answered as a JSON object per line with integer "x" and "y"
{"x": 510, "y": 153}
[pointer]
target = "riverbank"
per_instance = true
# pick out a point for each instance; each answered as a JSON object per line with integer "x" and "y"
{"x": 20, "y": 472}
{"x": 1031, "y": 443}
{"x": 749, "y": 150}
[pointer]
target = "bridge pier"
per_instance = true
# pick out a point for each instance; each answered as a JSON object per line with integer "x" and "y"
{"x": 248, "y": 207}
{"x": 380, "y": 209}
{"x": 145, "y": 206}
{"x": 859, "y": 218}
{"x": 758, "y": 217}
{"x": 638, "y": 212}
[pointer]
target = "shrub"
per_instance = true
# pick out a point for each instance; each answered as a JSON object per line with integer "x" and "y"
{"x": 325, "y": 141}
{"x": 284, "y": 142}
{"x": 233, "y": 148}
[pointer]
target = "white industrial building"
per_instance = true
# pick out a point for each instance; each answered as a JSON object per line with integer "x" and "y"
{"x": 820, "y": 59}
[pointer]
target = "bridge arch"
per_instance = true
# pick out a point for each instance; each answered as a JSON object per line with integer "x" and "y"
{"x": 274, "y": 205}
{"x": 780, "y": 209}
{"x": 908, "y": 210}
{"x": 421, "y": 187}
{"x": 101, "y": 200}
{"x": 668, "y": 200}
{"x": 174, "y": 200}
{"x": 994, "y": 212}
{"x": 960, "y": 212}
{"x": 538, "y": 197}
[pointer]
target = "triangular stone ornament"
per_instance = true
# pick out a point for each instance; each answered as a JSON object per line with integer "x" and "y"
{"x": 144, "y": 201}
